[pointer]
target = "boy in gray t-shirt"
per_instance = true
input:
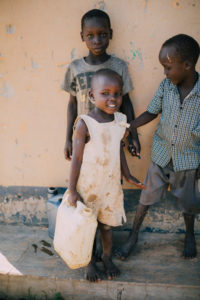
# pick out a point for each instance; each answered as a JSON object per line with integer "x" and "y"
{"x": 96, "y": 33}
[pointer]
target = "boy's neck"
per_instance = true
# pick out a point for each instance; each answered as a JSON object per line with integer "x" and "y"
{"x": 189, "y": 81}
{"x": 187, "y": 85}
{"x": 96, "y": 59}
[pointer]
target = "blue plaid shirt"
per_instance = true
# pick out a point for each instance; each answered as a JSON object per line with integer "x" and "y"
{"x": 177, "y": 136}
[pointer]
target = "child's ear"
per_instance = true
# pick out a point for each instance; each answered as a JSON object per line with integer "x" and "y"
{"x": 111, "y": 33}
{"x": 81, "y": 33}
{"x": 188, "y": 65}
{"x": 91, "y": 96}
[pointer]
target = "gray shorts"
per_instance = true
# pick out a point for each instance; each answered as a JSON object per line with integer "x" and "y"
{"x": 183, "y": 185}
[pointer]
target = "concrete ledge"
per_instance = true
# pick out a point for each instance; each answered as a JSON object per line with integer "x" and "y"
{"x": 35, "y": 287}
{"x": 27, "y": 205}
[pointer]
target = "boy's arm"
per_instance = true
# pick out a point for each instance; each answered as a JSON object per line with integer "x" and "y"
{"x": 127, "y": 109}
{"x": 143, "y": 119}
{"x": 125, "y": 171}
{"x": 71, "y": 117}
{"x": 79, "y": 139}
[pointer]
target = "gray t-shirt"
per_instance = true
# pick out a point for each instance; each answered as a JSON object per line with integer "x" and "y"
{"x": 78, "y": 77}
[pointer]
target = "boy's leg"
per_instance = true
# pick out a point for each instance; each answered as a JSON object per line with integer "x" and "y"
{"x": 93, "y": 274}
{"x": 156, "y": 183}
{"x": 106, "y": 236}
{"x": 190, "y": 242}
{"x": 185, "y": 188}
{"x": 126, "y": 249}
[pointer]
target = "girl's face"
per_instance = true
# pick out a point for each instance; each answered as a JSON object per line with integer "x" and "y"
{"x": 96, "y": 34}
{"x": 174, "y": 68}
{"x": 106, "y": 92}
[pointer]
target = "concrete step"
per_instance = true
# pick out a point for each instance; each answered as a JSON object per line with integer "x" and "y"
{"x": 30, "y": 269}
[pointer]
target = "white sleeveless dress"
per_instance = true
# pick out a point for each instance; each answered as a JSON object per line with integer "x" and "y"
{"x": 99, "y": 181}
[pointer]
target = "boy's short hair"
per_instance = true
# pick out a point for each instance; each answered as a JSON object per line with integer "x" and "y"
{"x": 95, "y": 13}
{"x": 186, "y": 47}
{"x": 108, "y": 73}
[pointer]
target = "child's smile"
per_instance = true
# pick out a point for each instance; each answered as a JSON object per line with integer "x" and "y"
{"x": 107, "y": 94}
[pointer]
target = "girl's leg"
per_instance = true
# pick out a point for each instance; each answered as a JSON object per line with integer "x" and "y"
{"x": 106, "y": 236}
{"x": 190, "y": 242}
{"x": 93, "y": 274}
{"x": 124, "y": 251}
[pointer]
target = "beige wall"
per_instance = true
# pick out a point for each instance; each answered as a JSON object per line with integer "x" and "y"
{"x": 38, "y": 39}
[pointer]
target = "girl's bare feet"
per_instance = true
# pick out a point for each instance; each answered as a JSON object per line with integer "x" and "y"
{"x": 110, "y": 269}
{"x": 93, "y": 274}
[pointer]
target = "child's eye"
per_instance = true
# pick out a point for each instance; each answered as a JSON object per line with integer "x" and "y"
{"x": 103, "y": 35}
{"x": 105, "y": 93}
{"x": 89, "y": 36}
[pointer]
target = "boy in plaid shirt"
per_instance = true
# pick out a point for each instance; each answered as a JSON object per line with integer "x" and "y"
{"x": 175, "y": 156}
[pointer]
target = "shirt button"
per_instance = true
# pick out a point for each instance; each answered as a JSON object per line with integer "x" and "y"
{"x": 172, "y": 145}
{"x": 181, "y": 107}
{"x": 176, "y": 126}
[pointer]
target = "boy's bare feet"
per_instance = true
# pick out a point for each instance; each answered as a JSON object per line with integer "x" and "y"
{"x": 93, "y": 274}
{"x": 110, "y": 269}
{"x": 190, "y": 250}
{"x": 124, "y": 251}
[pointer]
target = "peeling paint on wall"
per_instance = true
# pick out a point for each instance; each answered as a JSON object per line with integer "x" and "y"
{"x": 136, "y": 54}
{"x": 100, "y": 5}
{"x": 176, "y": 4}
{"x": 145, "y": 5}
{"x": 7, "y": 91}
{"x": 34, "y": 64}
{"x": 10, "y": 29}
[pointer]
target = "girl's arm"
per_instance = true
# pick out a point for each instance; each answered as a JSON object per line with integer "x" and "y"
{"x": 79, "y": 140}
{"x": 71, "y": 117}
{"x": 126, "y": 173}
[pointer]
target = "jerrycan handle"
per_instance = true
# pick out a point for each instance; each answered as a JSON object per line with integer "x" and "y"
{"x": 83, "y": 209}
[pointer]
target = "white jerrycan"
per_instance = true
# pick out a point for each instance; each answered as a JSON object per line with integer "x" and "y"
{"x": 74, "y": 233}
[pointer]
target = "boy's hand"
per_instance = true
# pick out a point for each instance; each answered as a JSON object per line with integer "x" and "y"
{"x": 68, "y": 150}
{"x": 74, "y": 197}
{"x": 131, "y": 179}
{"x": 134, "y": 146}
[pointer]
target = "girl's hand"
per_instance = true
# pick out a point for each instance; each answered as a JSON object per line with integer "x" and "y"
{"x": 74, "y": 197}
{"x": 131, "y": 179}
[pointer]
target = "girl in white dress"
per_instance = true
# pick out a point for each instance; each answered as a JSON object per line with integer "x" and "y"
{"x": 98, "y": 161}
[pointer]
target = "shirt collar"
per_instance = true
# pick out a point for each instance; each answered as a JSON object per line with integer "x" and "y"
{"x": 195, "y": 90}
